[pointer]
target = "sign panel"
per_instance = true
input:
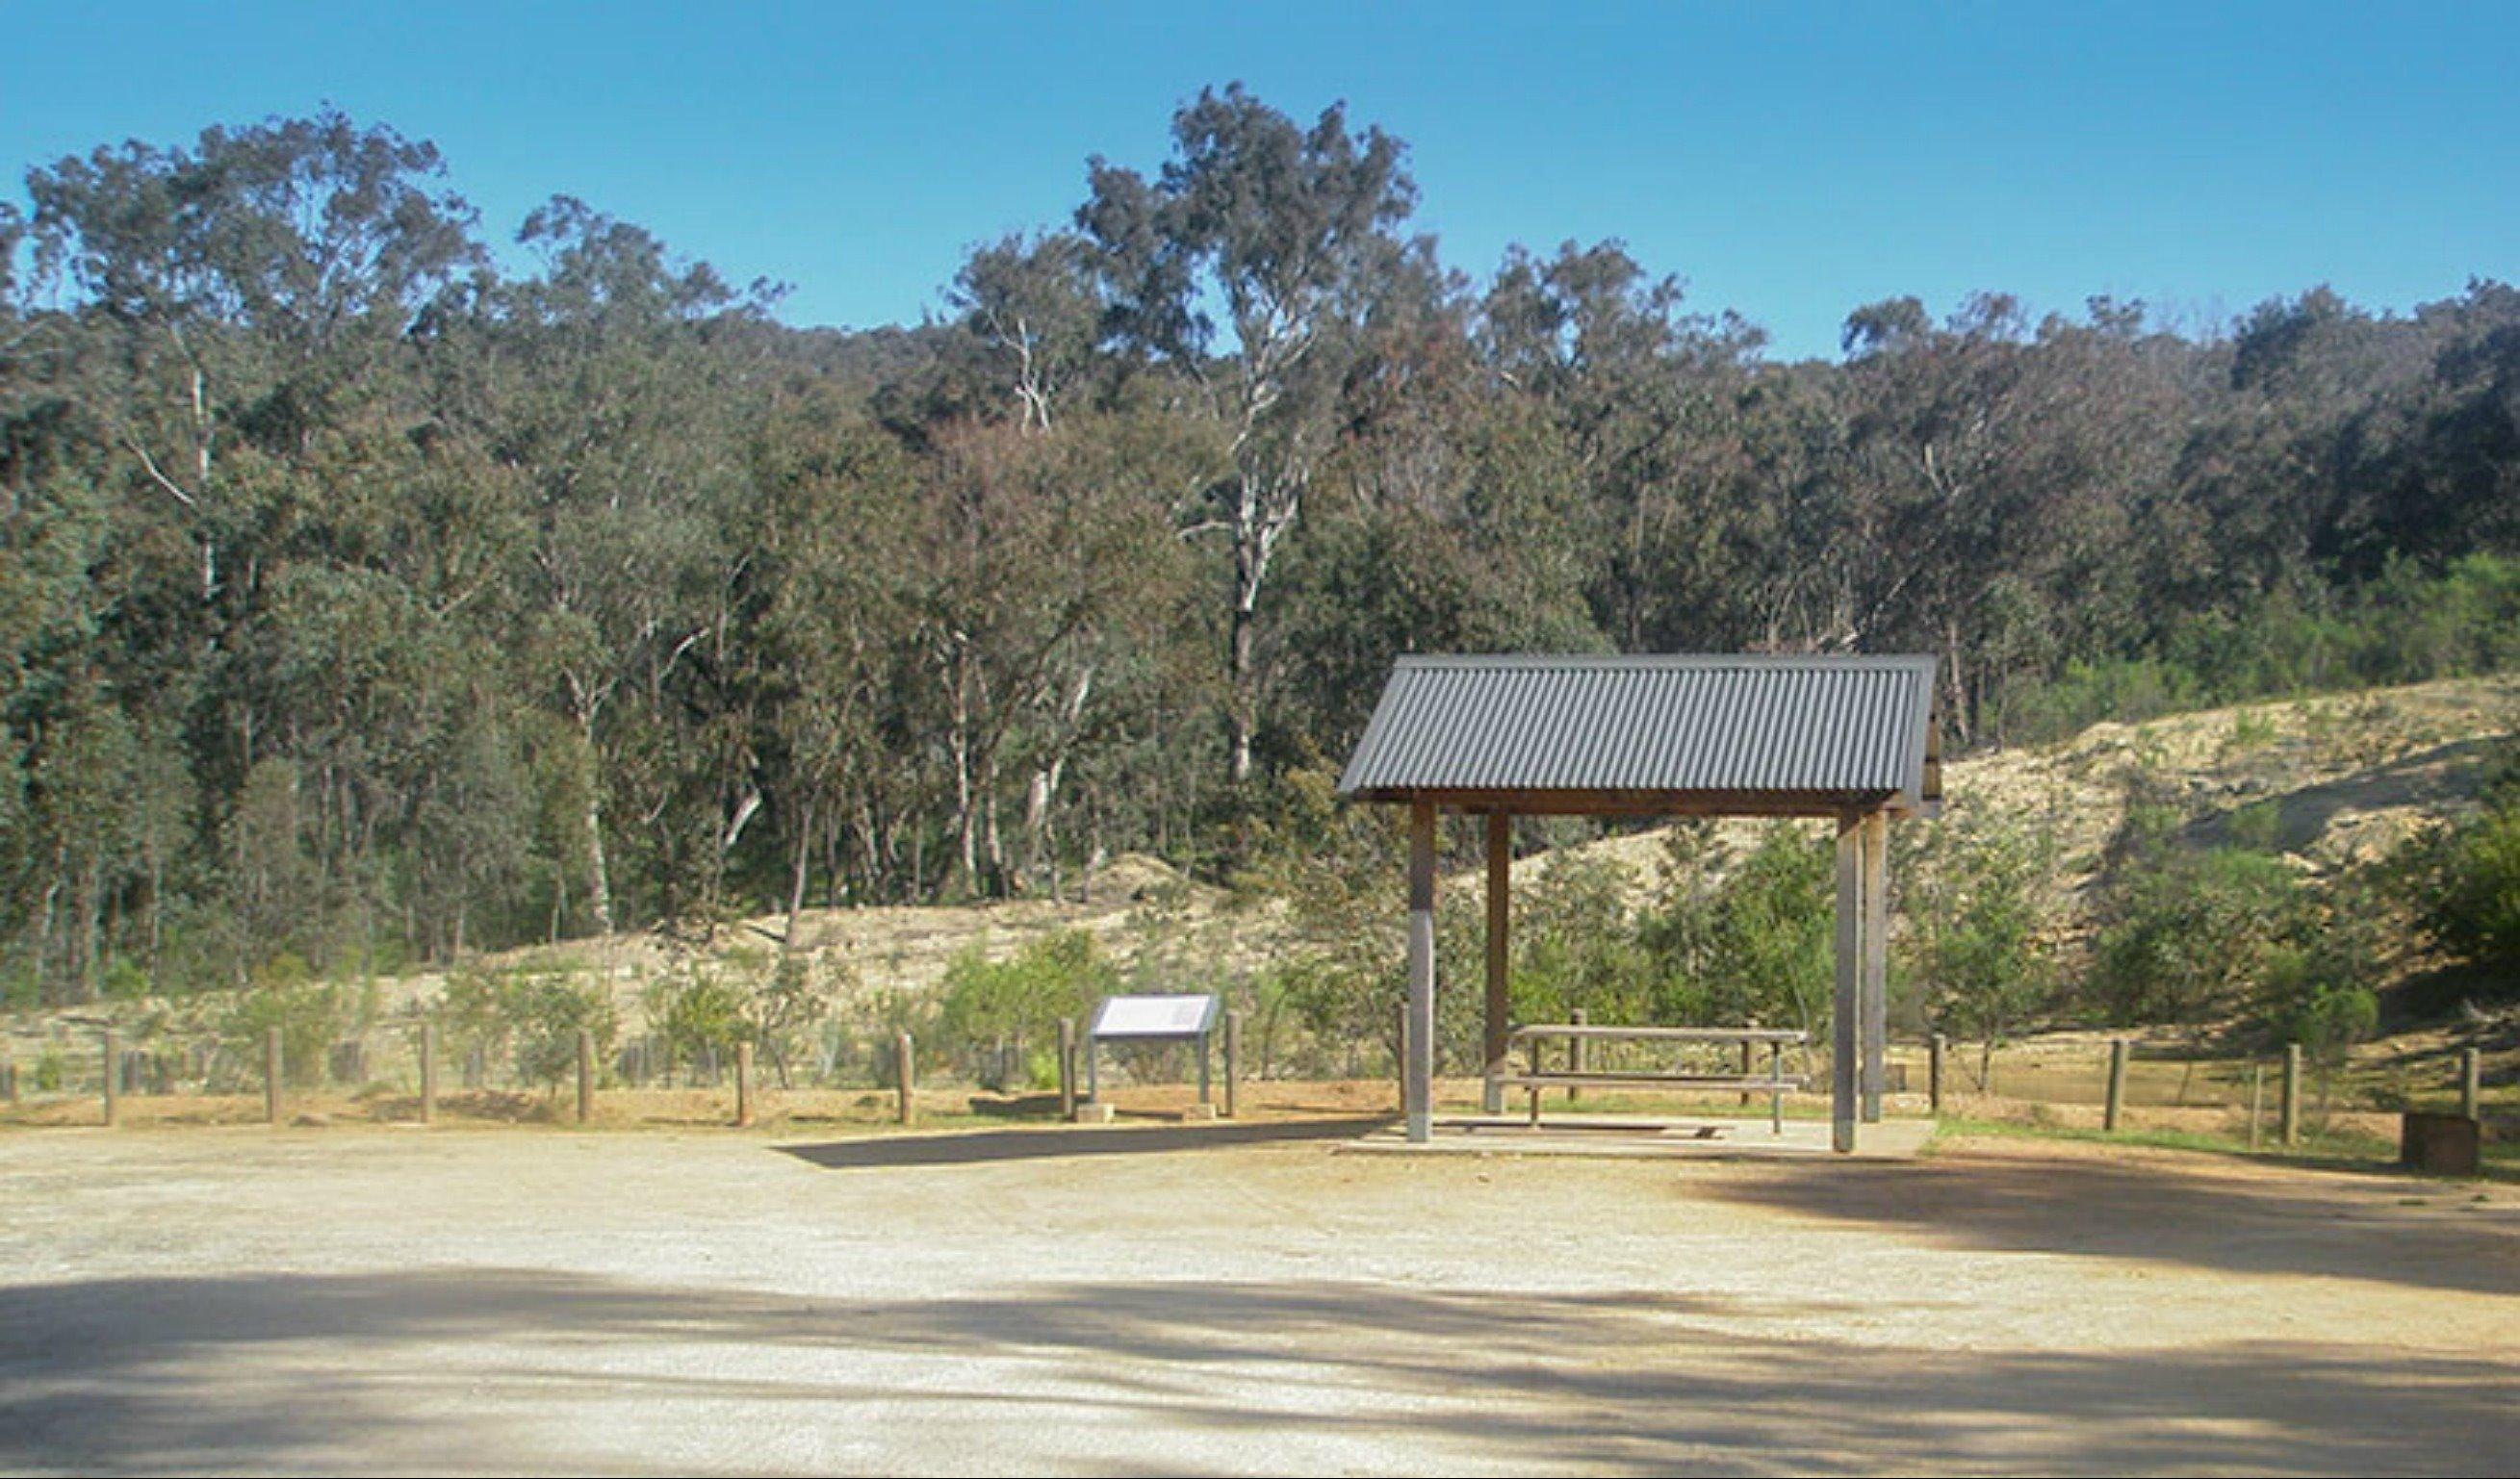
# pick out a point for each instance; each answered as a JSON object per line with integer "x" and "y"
{"x": 1153, "y": 1017}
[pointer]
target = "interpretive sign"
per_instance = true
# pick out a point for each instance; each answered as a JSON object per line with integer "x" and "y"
{"x": 1154, "y": 1017}
{"x": 1149, "y": 1019}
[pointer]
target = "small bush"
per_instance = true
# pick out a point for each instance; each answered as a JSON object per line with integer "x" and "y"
{"x": 2187, "y": 938}
{"x": 1973, "y": 947}
{"x": 311, "y": 1018}
{"x": 991, "y": 1010}
{"x": 2463, "y": 878}
{"x": 698, "y": 1011}
{"x": 532, "y": 1016}
{"x": 1759, "y": 944}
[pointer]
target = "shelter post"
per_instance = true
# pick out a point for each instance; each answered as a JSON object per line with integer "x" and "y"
{"x": 1875, "y": 1009}
{"x": 1844, "y": 1028}
{"x": 1418, "y": 1073}
{"x": 1500, "y": 920}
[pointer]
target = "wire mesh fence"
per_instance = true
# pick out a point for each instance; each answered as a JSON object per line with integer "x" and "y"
{"x": 177, "y": 1071}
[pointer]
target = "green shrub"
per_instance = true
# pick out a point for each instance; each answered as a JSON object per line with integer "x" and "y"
{"x": 533, "y": 1016}
{"x": 126, "y": 980}
{"x": 548, "y": 1012}
{"x": 2185, "y": 937}
{"x": 1973, "y": 947}
{"x": 1575, "y": 943}
{"x": 696, "y": 1011}
{"x": 311, "y": 1018}
{"x": 990, "y": 1010}
{"x": 2464, "y": 880}
{"x": 1759, "y": 944}
{"x": 2307, "y": 1000}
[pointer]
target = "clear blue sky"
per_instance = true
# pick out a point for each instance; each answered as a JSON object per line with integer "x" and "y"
{"x": 1787, "y": 160}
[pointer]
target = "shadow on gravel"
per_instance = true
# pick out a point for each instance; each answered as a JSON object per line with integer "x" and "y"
{"x": 978, "y": 1147}
{"x": 2330, "y": 1226}
{"x": 510, "y": 1369}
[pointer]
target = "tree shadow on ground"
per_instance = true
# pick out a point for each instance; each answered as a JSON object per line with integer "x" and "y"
{"x": 978, "y": 1147}
{"x": 521, "y": 1368}
{"x": 2153, "y": 1210}
{"x": 2445, "y": 771}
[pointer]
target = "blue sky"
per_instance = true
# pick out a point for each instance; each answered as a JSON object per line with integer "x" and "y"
{"x": 1789, "y": 161}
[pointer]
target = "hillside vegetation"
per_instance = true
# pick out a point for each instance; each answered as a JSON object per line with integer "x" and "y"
{"x": 1677, "y": 923}
{"x": 371, "y": 599}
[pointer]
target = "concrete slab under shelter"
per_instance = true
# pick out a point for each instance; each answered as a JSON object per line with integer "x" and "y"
{"x": 1631, "y": 1137}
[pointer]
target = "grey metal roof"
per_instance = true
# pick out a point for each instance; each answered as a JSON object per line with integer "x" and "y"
{"x": 1818, "y": 730}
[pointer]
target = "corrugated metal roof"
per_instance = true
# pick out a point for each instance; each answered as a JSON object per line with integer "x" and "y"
{"x": 1832, "y": 726}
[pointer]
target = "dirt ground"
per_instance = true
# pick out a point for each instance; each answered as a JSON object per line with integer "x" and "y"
{"x": 1229, "y": 1298}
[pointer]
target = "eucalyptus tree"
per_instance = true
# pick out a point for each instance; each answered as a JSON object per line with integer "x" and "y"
{"x": 1643, "y": 394}
{"x": 608, "y": 381}
{"x": 1291, "y": 233}
{"x": 1039, "y": 553}
{"x": 1032, "y": 303}
{"x": 832, "y": 580}
{"x": 247, "y": 282}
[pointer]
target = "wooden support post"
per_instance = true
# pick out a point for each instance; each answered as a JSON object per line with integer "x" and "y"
{"x": 2470, "y": 1083}
{"x": 1233, "y": 1057}
{"x": 113, "y": 1079}
{"x": 1500, "y": 953}
{"x": 1749, "y": 1060}
{"x": 271, "y": 1066}
{"x": 585, "y": 1076}
{"x": 742, "y": 1084}
{"x": 1067, "y": 1069}
{"x": 1418, "y": 1086}
{"x": 2257, "y": 1103}
{"x": 1875, "y": 994}
{"x": 1575, "y": 1049}
{"x": 1935, "y": 1049}
{"x": 905, "y": 1072}
{"x": 2117, "y": 1085}
{"x": 2291, "y": 1127}
{"x": 1400, "y": 1057}
{"x": 1845, "y": 1032}
{"x": 1532, "y": 1049}
{"x": 428, "y": 1073}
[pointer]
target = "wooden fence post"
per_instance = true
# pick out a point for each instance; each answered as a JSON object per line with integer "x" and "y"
{"x": 2470, "y": 1082}
{"x": 2291, "y": 1127}
{"x": 2257, "y": 1103}
{"x": 1935, "y": 1048}
{"x": 1575, "y": 1051}
{"x": 1233, "y": 1057}
{"x": 113, "y": 1079}
{"x": 905, "y": 1065}
{"x": 742, "y": 1084}
{"x": 1067, "y": 1069}
{"x": 2117, "y": 1085}
{"x": 429, "y": 1073}
{"x": 1749, "y": 1060}
{"x": 271, "y": 1066}
{"x": 585, "y": 1075}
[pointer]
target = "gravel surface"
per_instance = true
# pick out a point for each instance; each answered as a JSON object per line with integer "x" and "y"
{"x": 1229, "y": 1299}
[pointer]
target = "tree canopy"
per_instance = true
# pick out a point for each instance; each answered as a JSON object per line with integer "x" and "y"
{"x": 364, "y": 599}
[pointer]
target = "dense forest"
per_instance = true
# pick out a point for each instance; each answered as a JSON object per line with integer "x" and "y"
{"x": 367, "y": 596}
